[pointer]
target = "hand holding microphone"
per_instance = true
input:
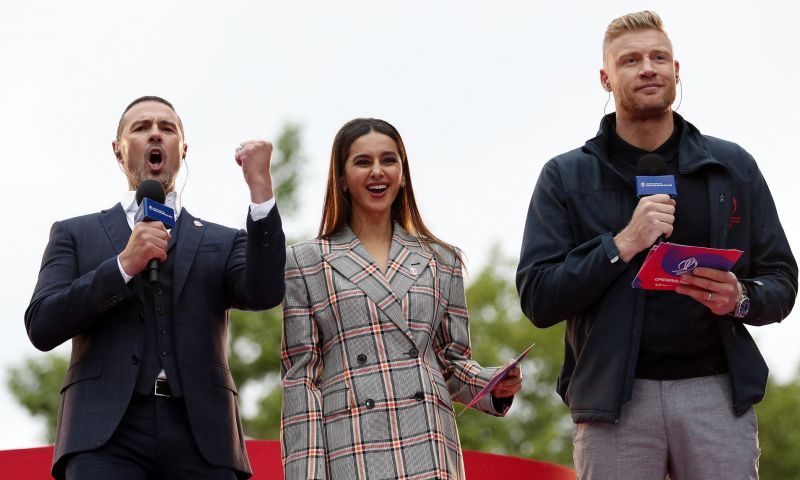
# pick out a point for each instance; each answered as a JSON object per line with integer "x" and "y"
{"x": 147, "y": 245}
{"x": 654, "y": 216}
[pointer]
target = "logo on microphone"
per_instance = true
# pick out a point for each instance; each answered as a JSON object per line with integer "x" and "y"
{"x": 156, "y": 210}
{"x": 655, "y": 184}
{"x": 685, "y": 266}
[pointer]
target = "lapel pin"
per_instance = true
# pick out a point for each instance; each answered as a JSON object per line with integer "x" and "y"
{"x": 198, "y": 223}
{"x": 413, "y": 271}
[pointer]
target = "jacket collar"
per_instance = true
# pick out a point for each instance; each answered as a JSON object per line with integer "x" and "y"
{"x": 408, "y": 259}
{"x": 692, "y": 151}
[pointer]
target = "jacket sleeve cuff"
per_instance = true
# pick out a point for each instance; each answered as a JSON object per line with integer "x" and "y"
{"x": 115, "y": 288}
{"x": 261, "y": 210}
{"x": 612, "y": 253}
{"x": 267, "y": 227}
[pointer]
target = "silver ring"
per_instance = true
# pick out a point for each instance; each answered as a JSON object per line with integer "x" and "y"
{"x": 708, "y": 299}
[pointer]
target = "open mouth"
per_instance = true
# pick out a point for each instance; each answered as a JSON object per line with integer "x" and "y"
{"x": 379, "y": 189}
{"x": 155, "y": 157}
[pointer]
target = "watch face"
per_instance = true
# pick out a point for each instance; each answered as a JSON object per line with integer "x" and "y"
{"x": 744, "y": 307}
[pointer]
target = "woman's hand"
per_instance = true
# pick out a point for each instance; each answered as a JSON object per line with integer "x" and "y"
{"x": 510, "y": 385}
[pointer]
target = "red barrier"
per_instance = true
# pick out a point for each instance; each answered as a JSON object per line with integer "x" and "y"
{"x": 265, "y": 457}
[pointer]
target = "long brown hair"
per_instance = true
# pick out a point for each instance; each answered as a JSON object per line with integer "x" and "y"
{"x": 337, "y": 207}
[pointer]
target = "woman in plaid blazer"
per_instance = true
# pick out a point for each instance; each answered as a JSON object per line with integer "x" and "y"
{"x": 375, "y": 332}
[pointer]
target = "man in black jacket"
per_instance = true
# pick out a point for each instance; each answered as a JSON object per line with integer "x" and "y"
{"x": 657, "y": 382}
{"x": 148, "y": 393}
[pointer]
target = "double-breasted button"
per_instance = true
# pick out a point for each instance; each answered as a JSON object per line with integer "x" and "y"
{"x": 370, "y": 403}
{"x": 159, "y": 291}
{"x": 361, "y": 358}
{"x": 163, "y": 353}
{"x": 160, "y": 311}
{"x": 135, "y": 359}
{"x": 413, "y": 353}
{"x": 419, "y": 396}
{"x": 163, "y": 331}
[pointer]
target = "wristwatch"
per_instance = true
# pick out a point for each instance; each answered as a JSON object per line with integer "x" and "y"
{"x": 742, "y": 305}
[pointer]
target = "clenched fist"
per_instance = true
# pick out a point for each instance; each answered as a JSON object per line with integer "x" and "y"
{"x": 254, "y": 157}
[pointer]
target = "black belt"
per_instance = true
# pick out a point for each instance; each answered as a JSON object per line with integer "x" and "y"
{"x": 162, "y": 389}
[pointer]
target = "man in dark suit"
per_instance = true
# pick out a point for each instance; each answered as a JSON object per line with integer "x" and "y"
{"x": 148, "y": 393}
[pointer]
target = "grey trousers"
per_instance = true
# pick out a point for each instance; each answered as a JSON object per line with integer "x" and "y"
{"x": 682, "y": 428}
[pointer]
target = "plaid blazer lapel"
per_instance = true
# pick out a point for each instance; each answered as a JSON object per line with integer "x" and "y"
{"x": 349, "y": 257}
{"x": 407, "y": 261}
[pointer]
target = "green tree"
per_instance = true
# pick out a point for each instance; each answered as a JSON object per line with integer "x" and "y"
{"x": 779, "y": 431}
{"x": 286, "y": 165}
{"x": 36, "y": 385}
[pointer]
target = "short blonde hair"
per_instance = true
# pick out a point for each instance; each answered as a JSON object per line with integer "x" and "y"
{"x": 633, "y": 21}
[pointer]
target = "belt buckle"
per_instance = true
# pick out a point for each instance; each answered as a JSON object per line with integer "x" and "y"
{"x": 162, "y": 389}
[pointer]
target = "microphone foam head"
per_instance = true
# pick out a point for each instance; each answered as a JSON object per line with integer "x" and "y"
{"x": 151, "y": 189}
{"x": 651, "y": 164}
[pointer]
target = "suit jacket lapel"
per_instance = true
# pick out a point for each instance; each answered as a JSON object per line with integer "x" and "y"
{"x": 190, "y": 233}
{"x": 116, "y": 226}
{"x": 349, "y": 257}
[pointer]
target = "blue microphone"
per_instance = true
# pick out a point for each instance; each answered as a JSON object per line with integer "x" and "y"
{"x": 150, "y": 196}
{"x": 652, "y": 178}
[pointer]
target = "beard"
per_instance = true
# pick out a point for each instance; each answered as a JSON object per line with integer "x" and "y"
{"x": 166, "y": 179}
{"x": 648, "y": 108}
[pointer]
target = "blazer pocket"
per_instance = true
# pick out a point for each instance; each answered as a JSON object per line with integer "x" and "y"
{"x": 83, "y": 371}
{"x": 335, "y": 402}
{"x": 212, "y": 247}
{"x": 220, "y": 375}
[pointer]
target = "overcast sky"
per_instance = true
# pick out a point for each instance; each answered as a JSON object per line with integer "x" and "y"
{"x": 483, "y": 93}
